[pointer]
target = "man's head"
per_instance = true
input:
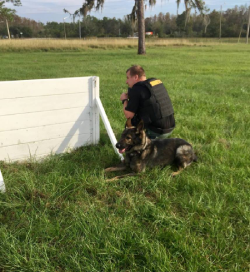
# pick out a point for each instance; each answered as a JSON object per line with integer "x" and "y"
{"x": 135, "y": 74}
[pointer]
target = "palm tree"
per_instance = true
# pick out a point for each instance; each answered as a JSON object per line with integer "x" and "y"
{"x": 138, "y": 14}
{"x": 14, "y": 2}
{"x": 7, "y": 13}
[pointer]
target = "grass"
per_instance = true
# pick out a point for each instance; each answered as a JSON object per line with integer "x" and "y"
{"x": 46, "y": 45}
{"x": 61, "y": 214}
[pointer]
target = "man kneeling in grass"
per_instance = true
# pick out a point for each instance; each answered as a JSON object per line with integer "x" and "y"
{"x": 148, "y": 100}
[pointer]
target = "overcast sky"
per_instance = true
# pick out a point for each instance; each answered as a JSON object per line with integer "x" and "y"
{"x": 52, "y": 10}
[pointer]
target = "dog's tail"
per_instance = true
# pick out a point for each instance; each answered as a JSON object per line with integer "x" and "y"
{"x": 185, "y": 154}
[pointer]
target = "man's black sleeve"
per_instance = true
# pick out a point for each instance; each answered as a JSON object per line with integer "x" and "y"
{"x": 134, "y": 96}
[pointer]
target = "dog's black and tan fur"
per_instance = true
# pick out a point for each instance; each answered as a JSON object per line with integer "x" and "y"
{"x": 141, "y": 152}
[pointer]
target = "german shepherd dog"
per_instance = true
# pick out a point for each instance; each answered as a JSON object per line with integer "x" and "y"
{"x": 141, "y": 152}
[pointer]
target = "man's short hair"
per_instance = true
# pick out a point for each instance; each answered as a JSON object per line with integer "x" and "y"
{"x": 136, "y": 70}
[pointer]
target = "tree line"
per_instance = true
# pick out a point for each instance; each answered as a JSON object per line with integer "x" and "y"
{"x": 231, "y": 23}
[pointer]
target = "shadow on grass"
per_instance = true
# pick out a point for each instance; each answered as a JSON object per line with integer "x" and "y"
{"x": 83, "y": 160}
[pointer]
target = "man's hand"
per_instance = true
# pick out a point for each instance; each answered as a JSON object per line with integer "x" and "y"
{"x": 128, "y": 114}
{"x": 124, "y": 96}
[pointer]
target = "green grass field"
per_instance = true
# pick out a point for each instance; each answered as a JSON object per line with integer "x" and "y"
{"x": 61, "y": 214}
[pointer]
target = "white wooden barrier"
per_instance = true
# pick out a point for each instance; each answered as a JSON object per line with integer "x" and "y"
{"x": 40, "y": 117}
{"x": 2, "y": 185}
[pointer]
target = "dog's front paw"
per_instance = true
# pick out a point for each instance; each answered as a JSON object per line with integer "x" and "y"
{"x": 174, "y": 174}
{"x": 109, "y": 169}
{"x": 120, "y": 167}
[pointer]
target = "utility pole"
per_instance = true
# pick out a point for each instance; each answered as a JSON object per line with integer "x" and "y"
{"x": 80, "y": 34}
{"x": 64, "y": 27}
{"x": 220, "y": 20}
{"x": 80, "y": 30}
{"x": 248, "y": 25}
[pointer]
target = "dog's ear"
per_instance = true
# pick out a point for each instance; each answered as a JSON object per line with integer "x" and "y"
{"x": 140, "y": 127}
{"x": 128, "y": 123}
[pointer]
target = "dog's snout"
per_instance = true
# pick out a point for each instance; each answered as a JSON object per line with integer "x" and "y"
{"x": 118, "y": 145}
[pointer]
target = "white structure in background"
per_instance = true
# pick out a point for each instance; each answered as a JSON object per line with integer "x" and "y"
{"x": 48, "y": 116}
{"x": 40, "y": 117}
{"x": 2, "y": 185}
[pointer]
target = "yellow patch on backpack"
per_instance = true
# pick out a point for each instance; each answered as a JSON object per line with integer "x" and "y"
{"x": 155, "y": 82}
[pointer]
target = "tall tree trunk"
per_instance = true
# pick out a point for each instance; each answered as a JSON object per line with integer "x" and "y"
{"x": 80, "y": 30}
{"x": 240, "y": 34}
{"x": 248, "y": 25}
{"x": 205, "y": 29}
{"x": 8, "y": 30}
{"x": 141, "y": 28}
{"x": 64, "y": 31}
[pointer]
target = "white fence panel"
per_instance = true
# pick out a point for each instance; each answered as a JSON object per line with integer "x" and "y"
{"x": 39, "y": 117}
{"x": 2, "y": 185}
